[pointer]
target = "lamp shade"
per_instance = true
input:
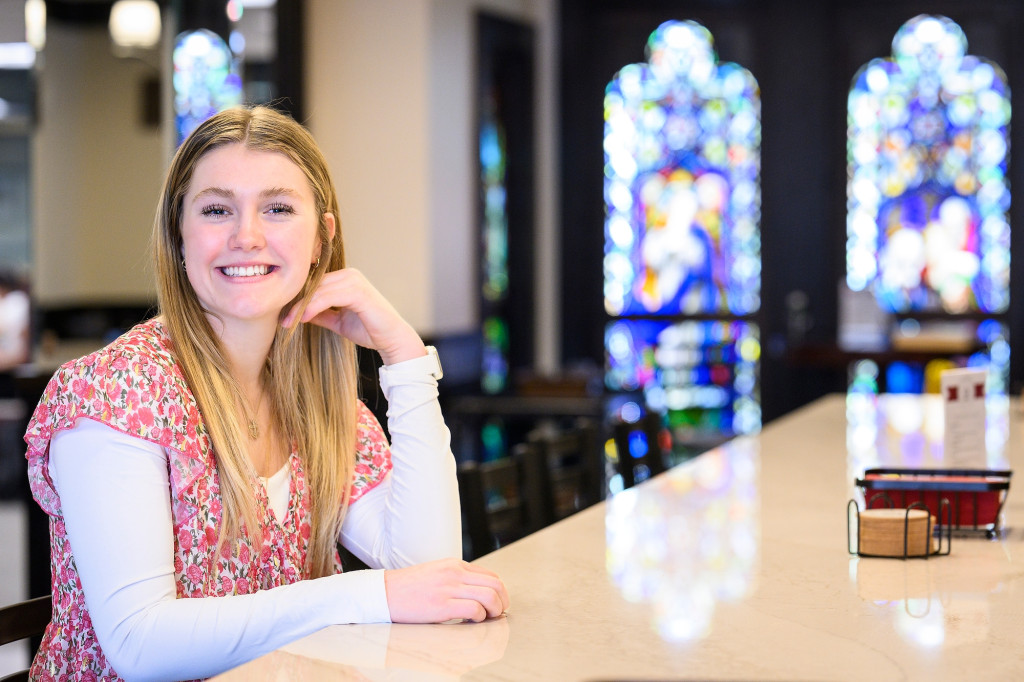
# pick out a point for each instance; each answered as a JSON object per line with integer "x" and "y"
{"x": 135, "y": 23}
{"x": 35, "y": 23}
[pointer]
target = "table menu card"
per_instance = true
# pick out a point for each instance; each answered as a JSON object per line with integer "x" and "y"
{"x": 963, "y": 397}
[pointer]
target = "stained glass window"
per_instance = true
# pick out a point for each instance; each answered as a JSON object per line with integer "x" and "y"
{"x": 494, "y": 264}
{"x": 206, "y": 79}
{"x": 682, "y": 262}
{"x": 702, "y": 374}
{"x": 927, "y": 191}
{"x": 991, "y": 339}
{"x": 682, "y": 158}
{"x": 928, "y": 195}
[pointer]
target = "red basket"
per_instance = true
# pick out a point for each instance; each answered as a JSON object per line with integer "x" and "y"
{"x": 976, "y": 496}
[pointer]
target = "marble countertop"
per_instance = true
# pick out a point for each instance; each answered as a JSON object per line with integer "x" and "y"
{"x": 733, "y": 566}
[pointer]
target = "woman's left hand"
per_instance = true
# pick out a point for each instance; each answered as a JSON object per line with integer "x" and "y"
{"x": 347, "y": 304}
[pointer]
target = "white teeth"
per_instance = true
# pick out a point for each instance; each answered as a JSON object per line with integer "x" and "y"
{"x": 249, "y": 271}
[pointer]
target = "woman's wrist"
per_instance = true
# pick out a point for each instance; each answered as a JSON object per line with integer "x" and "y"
{"x": 410, "y": 348}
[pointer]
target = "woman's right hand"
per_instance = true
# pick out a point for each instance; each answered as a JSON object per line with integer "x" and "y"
{"x": 346, "y": 303}
{"x": 446, "y": 589}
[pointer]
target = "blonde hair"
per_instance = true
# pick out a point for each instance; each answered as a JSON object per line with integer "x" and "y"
{"x": 310, "y": 375}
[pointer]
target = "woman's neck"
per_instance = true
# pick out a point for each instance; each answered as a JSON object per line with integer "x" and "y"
{"x": 247, "y": 346}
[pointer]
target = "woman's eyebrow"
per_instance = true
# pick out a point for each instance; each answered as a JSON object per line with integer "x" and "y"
{"x": 230, "y": 194}
{"x": 214, "y": 191}
{"x": 277, "y": 192}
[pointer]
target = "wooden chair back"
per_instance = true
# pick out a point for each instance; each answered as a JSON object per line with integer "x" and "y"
{"x": 638, "y": 448}
{"x": 24, "y": 620}
{"x": 574, "y": 466}
{"x": 502, "y": 500}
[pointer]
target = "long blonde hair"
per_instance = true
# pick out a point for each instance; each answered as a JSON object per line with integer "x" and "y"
{"x": 310, "y": 375}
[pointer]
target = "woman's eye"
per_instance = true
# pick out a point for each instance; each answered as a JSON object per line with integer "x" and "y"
{"x": 280, "y": 209}
{"x": 214, "y": 210}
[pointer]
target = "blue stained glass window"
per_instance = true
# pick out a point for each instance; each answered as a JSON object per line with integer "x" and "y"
{"x": 682, "y": 162}
{"x": 206, "y": 79}
{"x": 682, "y": 261}
{"x": 927, "y": 192}
{"x": 492, "y": 171}
{"x": 992, "y": 341}
{"x": 702, "y": 374}
{"x": 494, "y": 275}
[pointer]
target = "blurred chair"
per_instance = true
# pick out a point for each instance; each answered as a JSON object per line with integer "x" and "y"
{"x": 349, "y": 561}
{"x": 639, "y": 450}
{"x": 502, "y": 500}
{"x": 13, "y": 466}
{"x": 574, "y": 464}
{"x": 24, "y": 620}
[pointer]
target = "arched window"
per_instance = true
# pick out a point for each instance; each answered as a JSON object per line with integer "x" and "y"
{"x": 927, "y": 193}
{"x": 682, "y": 265}
{"x": 206, "y": 79}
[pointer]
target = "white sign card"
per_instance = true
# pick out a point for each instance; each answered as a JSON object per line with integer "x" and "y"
{"x": 963, "y": 398}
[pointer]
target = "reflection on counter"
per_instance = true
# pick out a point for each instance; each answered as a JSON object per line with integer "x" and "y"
{"x": 908, "y": 596}
{"x": 905, "y": 430}
{"x": 935, "y": 602}
{"x": 441, "y": 653}
{"x": 688, "y": 539}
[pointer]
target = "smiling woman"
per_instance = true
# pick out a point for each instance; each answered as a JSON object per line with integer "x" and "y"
{"x": 230, "y": 427}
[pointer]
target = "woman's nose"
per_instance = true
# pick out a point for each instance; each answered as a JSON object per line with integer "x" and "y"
{"x": 248, "y": 233}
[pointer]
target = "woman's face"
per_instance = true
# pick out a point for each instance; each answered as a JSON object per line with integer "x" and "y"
{"x": 249, "y": 232}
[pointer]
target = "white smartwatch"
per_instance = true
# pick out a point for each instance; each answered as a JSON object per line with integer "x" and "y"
{"x": 412, "y": 369}
{"x": 435, "y": 363}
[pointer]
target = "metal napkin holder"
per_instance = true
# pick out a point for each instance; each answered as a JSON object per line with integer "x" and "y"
{"x": 944, "y": 509}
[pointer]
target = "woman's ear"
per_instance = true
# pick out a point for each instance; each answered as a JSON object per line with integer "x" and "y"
{"x": 331, "y": 225}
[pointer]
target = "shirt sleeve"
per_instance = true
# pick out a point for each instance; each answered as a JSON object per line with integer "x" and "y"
{"x": 414, "y": 514}
{"x": 125, "y": 563}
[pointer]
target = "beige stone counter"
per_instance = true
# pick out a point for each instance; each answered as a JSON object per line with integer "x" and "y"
{"x": 731, "y": 567}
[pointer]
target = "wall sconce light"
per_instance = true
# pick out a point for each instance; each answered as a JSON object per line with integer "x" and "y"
{"x": 35, "y": 23}
{"x": 135, "y": 23}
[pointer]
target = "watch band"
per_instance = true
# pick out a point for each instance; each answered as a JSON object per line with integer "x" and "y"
{"x": 437, "y": 371}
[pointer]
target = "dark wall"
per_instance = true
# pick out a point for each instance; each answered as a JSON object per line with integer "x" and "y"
{"x": 803, "y": 54}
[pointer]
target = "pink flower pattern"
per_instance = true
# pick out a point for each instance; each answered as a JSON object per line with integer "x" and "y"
{"x": 135, "y": 386}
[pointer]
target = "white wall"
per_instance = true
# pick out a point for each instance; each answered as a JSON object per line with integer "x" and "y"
{"x": 96, "y": 173}
{"x": 391, "y": 101}
{"x": 367, "y": 95}
{"x": 12, "y": 21}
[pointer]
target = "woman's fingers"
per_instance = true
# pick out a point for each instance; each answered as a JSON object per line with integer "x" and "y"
{"x": 335, "y": 290}
{"x": 346, "y": 303}
{"x": 444, "y": 590}
{"x": 467, "y": 609}
{"x": 487, "y": 598}
{"x": 479, "y": 577}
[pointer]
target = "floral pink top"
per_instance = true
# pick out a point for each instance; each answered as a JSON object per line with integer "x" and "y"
{"x": 135, "y": 386}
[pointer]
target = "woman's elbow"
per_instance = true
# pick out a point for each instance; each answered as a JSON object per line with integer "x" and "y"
{"x": 129, "y": 653}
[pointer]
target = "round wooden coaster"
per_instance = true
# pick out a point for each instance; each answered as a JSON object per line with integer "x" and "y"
{"x": 882, "y": 532}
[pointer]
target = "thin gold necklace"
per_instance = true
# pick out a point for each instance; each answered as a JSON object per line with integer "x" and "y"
{"x": 254, "y": 427}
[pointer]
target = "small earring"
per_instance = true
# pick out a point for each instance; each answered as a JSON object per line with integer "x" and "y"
{"x": 183, "y": 266}
{"x": 317, "y": 263}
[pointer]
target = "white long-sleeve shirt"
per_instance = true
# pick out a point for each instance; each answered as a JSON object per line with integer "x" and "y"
{"x": 125, "y": 561}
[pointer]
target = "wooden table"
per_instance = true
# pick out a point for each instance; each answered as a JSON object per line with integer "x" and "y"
{"x": 733, "y": 566}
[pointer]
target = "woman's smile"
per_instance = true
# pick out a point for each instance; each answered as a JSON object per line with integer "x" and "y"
{"x": 246, "y": 271}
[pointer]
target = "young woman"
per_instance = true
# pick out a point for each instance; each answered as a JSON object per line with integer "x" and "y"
{"x": 200, "y": 471}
